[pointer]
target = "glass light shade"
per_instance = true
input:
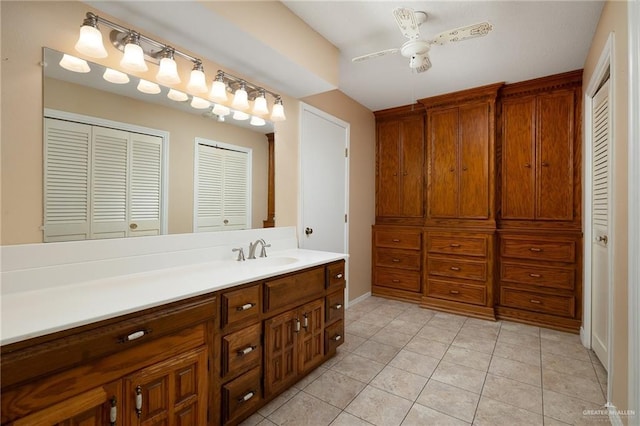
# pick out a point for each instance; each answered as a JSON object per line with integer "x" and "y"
{"x": 218, "y": 91}
{"x": 176, "y": 95}
{"x": 221, "y": 110}
{"x": 114, "y": 76}
{"x": 197, "y": 83}
{"x": 240, "y": 100}
{"x": 257, "y": 121}
{"x": 168, "y": 72}
{"x": 239, "y": 115}
{"x": 260, "y": 106}
{"x": 199, "y": 103}
{"x": 148, "y": 87}
{"x": 74, "y": 64}
{"x": 133, "y": 58}
{"x": 277, "y": 113}
{"x": 90, "y": 42}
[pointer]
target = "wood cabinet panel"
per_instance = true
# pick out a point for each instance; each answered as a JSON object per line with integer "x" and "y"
{"x": 555, "y": 304}
{"x": 334, "y": 336}
{"x": 474, "y": 161}
{"x": 456, "y": 244}
{"x": 334, "y": 307}
{"x": 412, "y": 170}
{"x": 443, "y": 167}
{"x": 311, "y": 337}
{"x": 241, "y": 305}
{"x": 410, "y": 239}
{"x": 459, "y": 292}
{"x": 281, "y": 351}
{"x": 336, "y": 276}
{"x": 293, "y": 289}
{"x": 241, "y": 396}
{"x": 388, "y": 188}
{"x": 399, "y": 279}
{"x": 538, "y": 275}
{"x": 241, "y": 350}
{"x": 457, "y": 268}
{"x": 402, "y": 259}
{"x": 551, "y": 249}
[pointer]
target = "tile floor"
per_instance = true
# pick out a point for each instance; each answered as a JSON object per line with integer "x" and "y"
{"x": 404, "y": 365}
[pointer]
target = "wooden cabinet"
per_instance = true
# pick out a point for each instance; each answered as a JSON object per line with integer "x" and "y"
{"x": 400, "y": 165}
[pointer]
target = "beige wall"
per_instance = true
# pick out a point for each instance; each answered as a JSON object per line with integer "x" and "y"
{"x": 361, "y": 182}
{"x": 614, "y": 19}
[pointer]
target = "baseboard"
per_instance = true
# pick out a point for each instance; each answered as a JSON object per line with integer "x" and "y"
{"x": 584, "y": 338}
{"x": 359, "y": 299}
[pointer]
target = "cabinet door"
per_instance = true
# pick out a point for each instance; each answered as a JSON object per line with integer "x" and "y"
{"x": 518, "y": 158}
{"x": 280, "y": 351}
{"x": 554, "y": 200}
{"x": 172, "y": 392}
{"x": 443, "y": 171}
{"x": 474, "y": 162}
{"x": 388, "y": 179}
{"x": 412, "y": 148}
{"x": 311, "y": 337}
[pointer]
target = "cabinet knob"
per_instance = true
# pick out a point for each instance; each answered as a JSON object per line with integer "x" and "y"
{"x": 464, "y": 169}
{"x": 395, "y": 281}
{"x": 544, "y": 164}
{"x": 336, "y": 338}
{"x": 337, "y": 306}
{"x": 246, "y": 351}
{"x": 454, "y": 292}
{"x": 339, "y": 276}
{"x": 527, "y": 165}
{"x": 535, "y": 249}
{"x": 452, "y": 169}
{"x": 134, "y": 336}
{"x": 455, "y": 268}
{"x": 535, "y": 275}
{"x": 454, "y": 245}
{"x": 113, "y": 411}
{"x": 395, "y": 260}
{"x": 133, "y": 226}
{"x": 138, "y": 401}
{"x": 247, "y": 396}
{"x": 245, "y": 307}
{"x": 537, "y": 302}
{"x": 396, "y": 240}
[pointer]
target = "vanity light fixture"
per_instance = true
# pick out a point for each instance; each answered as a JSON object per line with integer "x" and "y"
{"x": 168, "y": 71}
{"x": 240, "y": 116}
{"x": 74, "y": 64}
{"x": 241, "y": 98}
{"x": 197, "y": 81}
{"x": 257, "y": 121}
{"x": 199, "y": 103}
{"x": 221, "y": 110}
{"x": 260, "y": 104}
{"x": 218, "y": 88}
{"x": 90, "y": 41}
{"x": 148, "y": 87}
{"x": 277, "y": 113}
{"x": 176, "y": 95}
{"x": 114, "y": 76}
{"x": 133, "y": 58}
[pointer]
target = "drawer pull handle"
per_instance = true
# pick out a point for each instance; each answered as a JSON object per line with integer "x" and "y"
{"x": 133, "y": 336}
{"x": 454, "y": 245}
{"x": 395, "y": 260}
{"x": 339, "y": 276}
{"x": 395, "y": 281}
{"x": 454, "y": 292}
{"x": 336, "y": 338}
{"x": 138, "y": 400}
{"x": 245, "y": 307}
{"x": 245, "y": 351}
{"x": 113, "y": 412}
{"x": 535, "y": 249}
{"x": 396, "y": 240}
{"x": 455, "y": 268}
{"x": 537, "y": 302}
{"x": 305, "y": 321}
{"x": 247, "y": 396}
{"x": 296, "y": 326}
{"x": 535, "y": 275}
{"x": 337, "y": 306}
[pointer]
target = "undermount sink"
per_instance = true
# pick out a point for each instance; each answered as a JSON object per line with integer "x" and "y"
{"x": 271, "y": 261}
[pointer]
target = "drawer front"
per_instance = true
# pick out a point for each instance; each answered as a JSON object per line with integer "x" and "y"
{"x": 293, "y": 289}
{"x": 241, "y": 395}
{"x": 333, "y": 336}
{"x": 542, "y": 276}
{"x": 241, "y": 350}
{"x": 457, "y": 244}
{"x": 459, "y": 292}
{"x": 334, "y": 307}
{"x": 453, "y": 268}
{"x": 402, "y": 239}
{"x": 538, "y": 249}
{"x": 393, "y": 278}
{"x": 537, "y": 302}
{"x": 392, "y": 258}
{"x": 335, "y": 275}
{"x": 240, "y": 305}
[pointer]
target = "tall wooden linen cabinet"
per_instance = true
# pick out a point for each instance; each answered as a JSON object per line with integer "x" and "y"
{"x": 478, "y": 202}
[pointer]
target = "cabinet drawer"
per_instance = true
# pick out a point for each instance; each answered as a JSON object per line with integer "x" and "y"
{"x": 537, "y": 302}
{"x": 402, "y": 239}
{"x": 393, "y": 278}
{"x": 459, "y": 292}
{"x": 240, "y": 305}
{"x": 392, "y": 258}
{"x": 241, "y": 395}
{"x": 453, "y": 268}
{"x": 241, "y": 350}
{"x": 334, "y": 306}
{"x": 294, "y": 288}
{"x": 333, "y": 336}
{"x": 335, "y": 275}
{"x": 539, "y": 249}
{"x": 457, "y": 244}
{"x": 542, "y": 276}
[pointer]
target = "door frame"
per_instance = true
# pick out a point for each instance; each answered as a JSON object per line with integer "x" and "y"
{"x": 606, "y": 63}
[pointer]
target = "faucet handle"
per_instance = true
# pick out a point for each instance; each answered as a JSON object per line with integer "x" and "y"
{"x": 240, "y": 253}
{"x": 263, "y": 252}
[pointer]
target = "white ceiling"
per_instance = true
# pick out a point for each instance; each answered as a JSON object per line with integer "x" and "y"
{"x": 530, "y": 39}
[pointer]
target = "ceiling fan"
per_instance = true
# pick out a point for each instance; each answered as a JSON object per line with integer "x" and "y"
{"x": 416, "y": 48}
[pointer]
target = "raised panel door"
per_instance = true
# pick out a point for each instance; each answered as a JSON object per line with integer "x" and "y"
{"x": 554, "y": 200}
{"x": 474, "y": 161}
{"x": 518, "y": 158}
{"x": 412, "y": 151}
{"x": 280, "y": 351}
{"x": 311, "y": 335}
{"x": 443, "y": 170}
{"x": 388, "y": 179}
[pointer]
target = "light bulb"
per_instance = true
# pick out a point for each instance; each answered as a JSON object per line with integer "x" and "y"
{"x": 90, "y": 41}
{"x": 221, "y": 110}
{"x": 240, "y": 99}
{"x": 239, "y": 115}
{"x": 148, "y": 87}
{"x": 257, "y": 121}
{"x": 199, "y": 103}
{"x": 197, "y": 82}
{"x": 133, "y": 58}
{"x": 218, "y": 91}
{"x": 260, "y": 105}
{"x": 74, "y": 64}
{"x": 176, "y": 95}
{"x": 277, "y": 113}
{"x": 168, "y": 71}
{"x": 114, "y": 76}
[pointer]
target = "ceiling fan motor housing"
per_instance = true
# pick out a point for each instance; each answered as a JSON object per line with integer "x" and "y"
{"x": 415, "y": 47}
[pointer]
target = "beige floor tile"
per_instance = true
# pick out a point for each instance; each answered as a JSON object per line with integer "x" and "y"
{"x": 346, "y": 419}
{"x": 475, "y": 343}
{"x": 421, "y": 416}
{"x": 417, "y": 316}
{"x": 351, "y": 315}
{"x": 521, "y": 395}
{"x": 482, "y": 323}
{"x": 362, "y": 329}
{"x": 567, "y": 365}
{"x": 495, "y": 413}
{"x": 516, "y": 338}
{"x": 570, "y": 410}
{"x": 566, "y": 384}
{"x": 313, "y": 374}
{"x": 377, "y": 318}
{"x": 437, "y": 333}
{"x": 278, "y": 401}
{"x": 335, "y": 388}
{"x": 304, "y": 409}
{"x": 449, "y": 400}
{"x": 520, "y": 328}
{"x": 447, "y": 321}
{"x": 516, "y": 370}
{"x": 254, "y": 420}
{"x": 460, "y": 376}
{"x": 571, "y": 350}
{"x": 266, "y": 422}
{"x": 399, "y": 382}
{"x": 601, "y": 373}
{"x": 560, "y": 336}
{"x": 480, "y": 330}
{"x": 357, "y": 367}
{"x": 377, "y": 351}
{"x": 516, "y": 353}
{"x": 429, "y": 347}
{"x": 422, "y": 365}
{"x": 379, "y": 407}
{"x": 403, "y": 326}
{"x": 391, "y": 337}
{"x": 470, "y": 358}
{"x": 340, "y": 353}
{"x": 351, "y": 342}
{"x": 550, "y": 421}
{"x": 390, "y": 310}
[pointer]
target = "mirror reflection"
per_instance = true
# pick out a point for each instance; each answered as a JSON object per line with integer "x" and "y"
{"x": 148, "y": 164}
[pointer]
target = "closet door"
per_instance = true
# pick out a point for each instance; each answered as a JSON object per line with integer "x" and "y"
{"x": 145, "y": 185}
{"x": 412, "y": 168}
{"x": 474, "y": 161}
{"x": 388, "y": 179}
{"x": 443, "y": 170}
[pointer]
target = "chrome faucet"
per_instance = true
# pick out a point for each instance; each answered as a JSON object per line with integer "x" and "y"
{"x": 240, "y": 253}
{"x": 253, "y": 246}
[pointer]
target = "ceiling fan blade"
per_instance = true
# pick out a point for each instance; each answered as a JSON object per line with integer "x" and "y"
{"x": 407, "y": 21}
{"x": 420, "y": 63}
{"x": 463, "y": 33}
{"x": 374, "y": 55}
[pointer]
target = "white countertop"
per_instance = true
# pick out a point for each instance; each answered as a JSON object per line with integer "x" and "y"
{"x": 34, "y": 313}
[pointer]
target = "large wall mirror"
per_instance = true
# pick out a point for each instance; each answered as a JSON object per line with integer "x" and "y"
{"x": 87, "y": 97}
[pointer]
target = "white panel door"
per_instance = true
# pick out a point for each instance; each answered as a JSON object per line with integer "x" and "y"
{"x": 324, "y": 181}
{"x": 600, "y": 274}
